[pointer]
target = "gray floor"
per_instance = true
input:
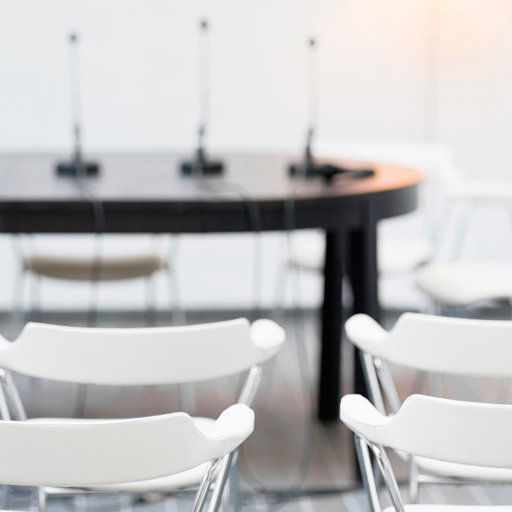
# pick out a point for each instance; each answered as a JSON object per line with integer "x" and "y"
{"x": 291, "y": 462}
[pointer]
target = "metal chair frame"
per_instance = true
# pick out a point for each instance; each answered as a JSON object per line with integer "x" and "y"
{"x": 220, "y": 468}
{"x": 382, "y": 389}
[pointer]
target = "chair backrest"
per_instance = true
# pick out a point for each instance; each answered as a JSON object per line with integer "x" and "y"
{"x": 459, "y": 346}
{"x": 149, "y": 356}
{"x": 447, "y": 430}
{"x": 110, "y": 452}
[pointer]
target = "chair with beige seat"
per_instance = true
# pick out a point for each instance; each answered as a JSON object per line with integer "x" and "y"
{"x": 146, "y": 356}
{"x": 449, "y": 431}
{"x": 111, "y": 452}
{"x": 439, "y": 345}
{"x": 91, "y": 263}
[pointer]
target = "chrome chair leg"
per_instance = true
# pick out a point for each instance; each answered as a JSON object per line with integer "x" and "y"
{"x": 224, "y": 500}
{"x": 222, "y": 478}
{"x": 413, "y": 482}
{"x": 41, "y": 499}
{"x": 234, "y": 490}
{"x": 13, "y": 395}
{"x": 366, "y": 467}
{"x": 389, "y": 477}
{"x": 202, "y": 493}
{"x": 4, "y": 408}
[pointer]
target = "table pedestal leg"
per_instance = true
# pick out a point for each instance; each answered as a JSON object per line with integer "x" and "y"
{"x": 330, "y": 359}
{"x": 363, "y": 276}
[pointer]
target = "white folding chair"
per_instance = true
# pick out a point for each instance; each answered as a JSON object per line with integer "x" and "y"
{"x": 111, "y": 452}
{"x": 90, "y": 263}
{"x": 440, "y": 345}
{"x": 454, "y": 432}
{"x": 463, "y": 283}
{"x": 146, "y": 356}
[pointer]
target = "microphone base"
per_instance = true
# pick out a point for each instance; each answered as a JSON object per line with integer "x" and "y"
{"x": 326, "y": 171}
{"x": 70, "y": 169}
{"x": 204, "y": 167}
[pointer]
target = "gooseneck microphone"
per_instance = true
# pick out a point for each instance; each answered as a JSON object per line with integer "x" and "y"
{"x": 313, "y": 97}
{"x": 77, "y": 166}
{"x": 308, "y": 168}
{"x": 201, "y": 165}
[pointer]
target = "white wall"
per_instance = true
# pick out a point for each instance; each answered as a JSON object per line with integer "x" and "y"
{"x": 139, "y": 80}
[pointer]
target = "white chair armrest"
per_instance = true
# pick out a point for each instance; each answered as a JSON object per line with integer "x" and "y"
{"x": 267, "y": 335}
{"x": 361, "y": 417}
{"x": 363, "y": 330}
{"x": 235, "y": 424}
{"x": 4, "y": 344}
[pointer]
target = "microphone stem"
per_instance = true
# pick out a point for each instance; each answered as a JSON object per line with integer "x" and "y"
{"x": 78, "y": 144}
{"x": 204, "y": 74}
{"x": 313, "y": 100}
{"x": 74, "y": 87}
{"x": 313, "y": 88}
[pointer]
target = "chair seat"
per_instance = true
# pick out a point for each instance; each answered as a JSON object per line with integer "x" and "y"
{"x": 453, "y": 508}
{"x": 396, "y": 256}
{"x": 189, "y": 478}
{"x": 83, "y": 268}
{"x": 464, "y": 283}
{"x": 463, "y": 471}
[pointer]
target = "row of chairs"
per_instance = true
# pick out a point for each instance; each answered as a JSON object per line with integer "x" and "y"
{"x": 443, "y": 441}
{"x": 141, "y": 455}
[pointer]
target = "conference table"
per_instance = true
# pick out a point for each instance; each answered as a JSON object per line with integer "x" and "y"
{"x": 145, "y": 193}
